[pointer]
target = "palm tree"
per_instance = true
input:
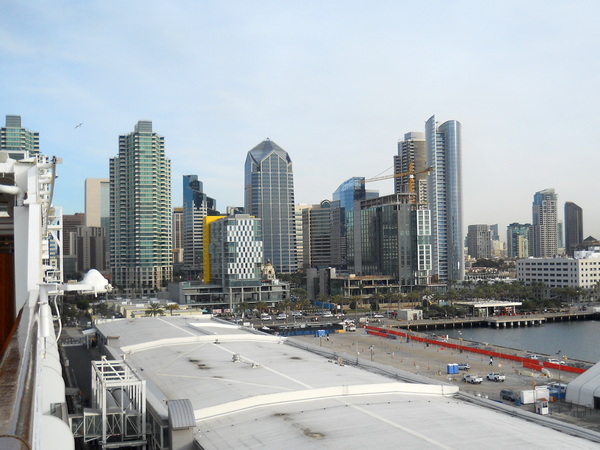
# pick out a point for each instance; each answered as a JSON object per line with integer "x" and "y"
{"x": 242, "y": 307}
{"x": 261, "y": 306}
{"x": 171, "y": 307}
{"x": 154, "y": 309}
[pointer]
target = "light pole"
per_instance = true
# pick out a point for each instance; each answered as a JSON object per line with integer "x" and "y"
{"x": 371, "y": 348}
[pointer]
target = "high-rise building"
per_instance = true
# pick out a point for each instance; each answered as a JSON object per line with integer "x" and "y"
{"x": 97, "y": 202}
{"x": 412, "y": 157}
{"x": 298, "y": 209}
{"x": 479, "y": 241}
{"x": 91, "y": 249}
{"x": 140, "y": 211}
{"x": 70, "y": 224}
{"x": 544, "y": 228}
{"x": 573, "y": 227}
{"x": 177, "y": 238}
{"x": 444, "y": 194}
{"x": 196, "y": 206}
{"x": 269, "y": 195}
{"x": 236, "y": 251}
{"x": 321, "y": 235}
{"x": 517, "y": 240}
{"x": 494, "y": 232}
{"x": 392, "y": 237}
{"x": 18, "y": 141}
{"x": 350, "y": 191}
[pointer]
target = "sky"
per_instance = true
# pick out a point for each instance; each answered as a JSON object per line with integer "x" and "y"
{"x": 335, "y": 83}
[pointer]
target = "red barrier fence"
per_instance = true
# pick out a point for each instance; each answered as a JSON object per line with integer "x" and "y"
{"x": 528, "y": 363}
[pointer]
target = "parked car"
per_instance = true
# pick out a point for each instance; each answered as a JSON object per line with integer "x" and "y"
{"x": 281, "y": 316}
{"x": 555, "y": 361}
{"x": 464, "y": 366}
{"x": 495, "y": 376}
{"x": 473, "y": 379}
{"x": 507, "y": 394}
{"x": 265, "y": 317}
{"x": 533, "y": 356}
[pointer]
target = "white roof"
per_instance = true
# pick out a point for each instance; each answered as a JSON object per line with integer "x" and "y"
{"x": 583, "y": 389}
{"x": 281, "y": 396}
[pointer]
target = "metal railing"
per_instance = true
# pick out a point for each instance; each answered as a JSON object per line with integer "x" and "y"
{"x": 18, "y": 369}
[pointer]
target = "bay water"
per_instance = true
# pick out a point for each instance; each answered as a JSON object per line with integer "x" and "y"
{"x": 577, "y": 340}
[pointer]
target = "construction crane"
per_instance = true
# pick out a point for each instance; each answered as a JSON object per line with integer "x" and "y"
{"x": 411, "y": 180}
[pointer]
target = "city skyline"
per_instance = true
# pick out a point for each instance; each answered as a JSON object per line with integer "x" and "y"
{"x": 332, "y": 87}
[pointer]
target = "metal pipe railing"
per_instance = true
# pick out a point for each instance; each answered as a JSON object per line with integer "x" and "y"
{"x": 18, "y": 368}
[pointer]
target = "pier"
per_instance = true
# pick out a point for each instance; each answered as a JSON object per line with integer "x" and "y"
{"x": 519, "y": 320}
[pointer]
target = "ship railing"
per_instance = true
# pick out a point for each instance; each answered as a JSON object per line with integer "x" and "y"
{"x": 18, "y": 373}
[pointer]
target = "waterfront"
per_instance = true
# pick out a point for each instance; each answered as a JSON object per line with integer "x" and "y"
{"x": 577, "y": 340}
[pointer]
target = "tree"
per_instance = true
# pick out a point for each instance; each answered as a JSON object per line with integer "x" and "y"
{"x": 83, "y": 304}
{"x": 172, "y": 307}
{"x": 154, "y": 309}
{"x": 242, "y": 307}
{"x": 261, "y": 306}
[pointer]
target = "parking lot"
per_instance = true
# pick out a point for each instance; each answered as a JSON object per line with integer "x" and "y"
{"x": 432, "y": 361}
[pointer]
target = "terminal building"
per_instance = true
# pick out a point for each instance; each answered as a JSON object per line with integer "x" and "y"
{"x": 210, "y": 384}
{"x": 582, "y": 271}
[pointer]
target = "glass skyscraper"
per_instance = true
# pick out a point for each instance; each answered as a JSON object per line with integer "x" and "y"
{"x": 196, "y": 206}
{"x": 346, "y": 194}
{"x": 269, "y": 195}
{"x": 444, "y": 194}
{"x": 140, "y": 211}
{"x": 391, "y": 238}
{"x": 517, "y": 240}
{"x": 573, "y": 227}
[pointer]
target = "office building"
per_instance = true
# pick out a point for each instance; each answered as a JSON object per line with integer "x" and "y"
{"x": 573, "y": 227}
{"x": 177, "y": 238}
{"x": 97, "y": 213}
{"x": 236, "y": 251}
{"x": 321, "y": 235}
{"x": 70, "y": 224}
{"x": 392, "y": 237}
{"x": 196, "y": 206}
{"x": 545, "y": 224}
{"x": 269, "y": 195}
{"x": 349, "y": 192}
{"x": 479, "y": 241}
{"x": 97, "y": 202}
{"x": 412, "y": 160}
{"x": 90, "y": 245}
{"x": 444, "y": 194}
{"x": 582, "y": 271}
{"x": 140, "y": 211}
{"x": 517, "y": 240}
{"x": 18, "y": 141}
{"x": 494, "y": 232}
{"x": 298, "y": 209}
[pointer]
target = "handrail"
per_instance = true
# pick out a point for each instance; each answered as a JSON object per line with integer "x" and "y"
{"x": 18, "y": 365}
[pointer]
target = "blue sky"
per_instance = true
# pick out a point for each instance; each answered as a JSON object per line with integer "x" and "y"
{"x": 335, "y": 83}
